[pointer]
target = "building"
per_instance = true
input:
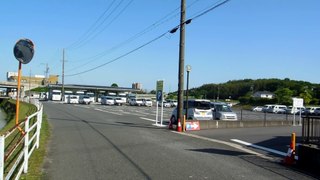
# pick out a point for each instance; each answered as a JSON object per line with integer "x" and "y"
{"x": 136, "y": 86}
{"x": 264, "y": 94}
{"x": 36, "y": 79}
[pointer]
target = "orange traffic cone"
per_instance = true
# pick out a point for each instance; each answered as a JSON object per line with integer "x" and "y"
{"x": 290, "y": 157}
{"x": 179, "y": 128}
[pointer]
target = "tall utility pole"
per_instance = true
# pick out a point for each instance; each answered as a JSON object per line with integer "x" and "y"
{"x": 62, "y": 89}
{"x": 181, "y": 59}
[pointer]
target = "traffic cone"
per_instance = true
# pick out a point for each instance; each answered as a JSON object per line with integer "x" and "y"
{"x": 290, "y": 157}
{"x": 179, "y": 127}
{"x": 170, "y": 123}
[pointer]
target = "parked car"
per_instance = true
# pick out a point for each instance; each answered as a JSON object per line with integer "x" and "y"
{"x": 173, "y": 103}
{"x": 268, "y": 108}
{"x": 257, "y": 108}
{"x": 316, "y": 112}
{"x": 198, "y": 109}
{"x": 84, "y": 99}
{"x": 310, "y": 110}
{"x": 279, "y": 109}
{"x": 72, "y": 99}
{"x": 119, "y": 101}
{"x": 147, "y": 102}
{"x": 165, "y": 104}
{"x": 221, "y": 111}
{"x": 107, "y": 100}
{"x": 136, "y": 102}
{"x": 296, "y": 110}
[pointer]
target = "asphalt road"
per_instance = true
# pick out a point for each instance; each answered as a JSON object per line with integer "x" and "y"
{"x": 109, "y": 142}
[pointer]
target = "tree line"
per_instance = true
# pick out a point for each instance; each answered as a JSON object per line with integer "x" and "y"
{"x": 243, "y": 90}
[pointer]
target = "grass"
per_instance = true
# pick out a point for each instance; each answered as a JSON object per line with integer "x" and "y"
{"x": 37, "y": 158}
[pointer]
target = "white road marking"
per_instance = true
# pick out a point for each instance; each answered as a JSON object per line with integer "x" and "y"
{"x": 108, "y": 112}
{"x": 147, "y": 119}
{"x": 226, "y": 143}
{"x": 259, "y": 147}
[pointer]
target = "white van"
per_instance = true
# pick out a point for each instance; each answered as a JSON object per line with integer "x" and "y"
{"x": 198, "y": 109}
{"x": 279, "y": 109}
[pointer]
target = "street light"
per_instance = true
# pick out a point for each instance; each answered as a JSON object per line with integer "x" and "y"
{"x": 188, "y": 68}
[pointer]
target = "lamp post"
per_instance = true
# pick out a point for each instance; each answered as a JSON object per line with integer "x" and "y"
{"x": 188, "y": 68}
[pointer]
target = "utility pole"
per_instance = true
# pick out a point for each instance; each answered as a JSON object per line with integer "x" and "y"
{"x": 62, "y": 89}
{"x": 181, "y": 60}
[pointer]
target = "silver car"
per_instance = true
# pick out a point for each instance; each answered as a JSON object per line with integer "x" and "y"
{"x": 221, "y": 111}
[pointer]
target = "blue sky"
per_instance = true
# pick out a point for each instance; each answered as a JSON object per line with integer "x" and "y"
{"x": 241, "y": 39}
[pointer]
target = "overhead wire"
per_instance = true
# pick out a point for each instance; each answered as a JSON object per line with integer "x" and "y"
{"x": 95, "y": 24}
{"x": 216, "y": 5}
{"x": 159, "y": 22}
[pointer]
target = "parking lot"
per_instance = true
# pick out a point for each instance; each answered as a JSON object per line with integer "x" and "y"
{"x": 149, "y": 113}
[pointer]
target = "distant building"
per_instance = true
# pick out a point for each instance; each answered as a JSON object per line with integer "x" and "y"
{"x": 264, "y": 94}
{"x": 36, "y": 79}
{"x": 136, "y": 86}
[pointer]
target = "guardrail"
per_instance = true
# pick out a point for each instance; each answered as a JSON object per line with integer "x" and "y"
{"x": 311, "y": 130}
{"x": 17, "y": 145}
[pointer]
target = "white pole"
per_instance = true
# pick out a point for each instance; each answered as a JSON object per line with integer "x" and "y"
{"x": 2, "y": 139}
{"x": 161, "y": 112}
{"x": 157, "y": 113}
{"x": 294, "y": 116}
{"x": 26, "y": 146}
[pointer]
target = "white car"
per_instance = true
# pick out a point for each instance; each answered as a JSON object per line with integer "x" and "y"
{"x": 198, "y": 109}
{"x": 165, "y": 104}
{"x": 136, "y": 102}
{"x": 257, "y": 109}
{"x": 119, "y": 101}
{"x": 173, "y": 103}
{"x": 147, "y": 102}
{"x": 72, "y": 99}
{"x": 84, "y": 99}
{"x": 107, "y": 100}
{"x": 221, "y": 111}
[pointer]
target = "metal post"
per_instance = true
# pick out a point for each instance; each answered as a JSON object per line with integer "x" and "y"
{"x": 181, "y": 59}
{"x": 62, "y": 89}
{"x": 26, "y": 146}
{"x": 18, "y": 95}
{"x": 187, "y": 95}
{"x": 2, "y": 148}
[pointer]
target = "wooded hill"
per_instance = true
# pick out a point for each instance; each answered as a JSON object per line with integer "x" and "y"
{"x": 243, "y": 90}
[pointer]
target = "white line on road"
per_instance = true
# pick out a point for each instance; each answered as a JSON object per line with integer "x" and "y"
{"x": 226, "y": 143}
{"x": 259, "y": 147}
{"x": 147, "y": 119}
{"x": 108, "y": 112}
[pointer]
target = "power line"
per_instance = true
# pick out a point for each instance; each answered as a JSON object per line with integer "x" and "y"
{"x": 164, "y": 19}
{"x": 124, "y": 55}
{"x": 155, "y": 39}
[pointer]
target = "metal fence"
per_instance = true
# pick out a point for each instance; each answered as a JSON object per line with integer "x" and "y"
{"x": 17, "y": 145}
{"x": 311, "y": 130}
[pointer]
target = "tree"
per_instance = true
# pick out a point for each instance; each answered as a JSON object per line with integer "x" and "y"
{"x": 284, "y": 96}
{"x": 306, "y": 96}
{"x": 114, "y": 85}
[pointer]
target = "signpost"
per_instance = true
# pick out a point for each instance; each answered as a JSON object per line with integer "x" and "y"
{"x": 159, "y": 90}
{"x": 297, "y": 103}
{"x": 23, "y": 52}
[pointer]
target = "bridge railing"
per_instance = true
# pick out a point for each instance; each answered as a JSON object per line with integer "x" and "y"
{"x": 17, "y": 145}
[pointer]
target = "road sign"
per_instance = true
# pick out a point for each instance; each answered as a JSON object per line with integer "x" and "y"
{"x": 297, "y": 102}
{"x": 159, "y": 95}
{"x": 192, "y": 125}
{"x": 24, "y": 50}
{"x": 159, "y": 85}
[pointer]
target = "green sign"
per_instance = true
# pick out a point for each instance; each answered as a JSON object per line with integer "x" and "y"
{"x": 159, "y": 85}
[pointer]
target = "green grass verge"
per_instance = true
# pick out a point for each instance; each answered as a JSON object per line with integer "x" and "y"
{"x": 37, "y": 158}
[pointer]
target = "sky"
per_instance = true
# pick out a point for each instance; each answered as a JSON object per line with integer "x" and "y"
{"x": 127, "y": 41}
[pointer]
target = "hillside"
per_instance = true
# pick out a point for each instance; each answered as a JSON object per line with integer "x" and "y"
{"x": 243, "y": 89}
